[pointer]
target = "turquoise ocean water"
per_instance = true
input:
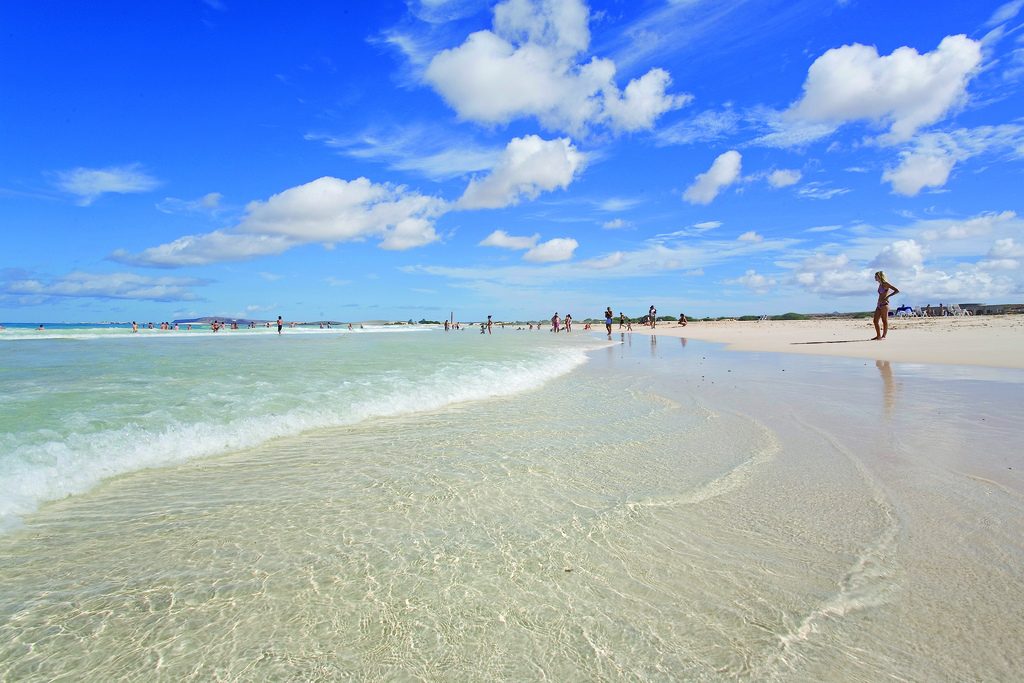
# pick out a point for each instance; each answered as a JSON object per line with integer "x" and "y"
{"x": 82, "y": 403}
{"x": 406, "y": 504}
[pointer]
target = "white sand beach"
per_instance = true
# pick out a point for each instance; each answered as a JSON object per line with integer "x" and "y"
{"x": 991, "y": 341}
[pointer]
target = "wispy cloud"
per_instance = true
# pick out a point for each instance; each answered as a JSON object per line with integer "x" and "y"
{"x": 820, "y": 190}
{"x": 88, "y": 184}
{"x": 104, "y": 286}
{"x": 656, "y": 257}
{"x": 428, "y": 150}
{"x": 707, "y": 126}
{"x": 615, "y": 204}
{"x": 207, "y": 204}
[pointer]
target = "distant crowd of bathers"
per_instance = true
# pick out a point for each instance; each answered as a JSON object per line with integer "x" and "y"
{"x": 215, "y": 326}
{"x": 564, "y": 323}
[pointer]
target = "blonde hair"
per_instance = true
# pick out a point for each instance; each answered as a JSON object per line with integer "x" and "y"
{"x": 880, "y": 276}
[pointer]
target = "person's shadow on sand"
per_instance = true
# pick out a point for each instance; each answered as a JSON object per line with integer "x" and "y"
{"x": 833, "y": 341}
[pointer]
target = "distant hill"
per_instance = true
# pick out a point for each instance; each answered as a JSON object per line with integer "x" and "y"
{"x": 206, "y": 320}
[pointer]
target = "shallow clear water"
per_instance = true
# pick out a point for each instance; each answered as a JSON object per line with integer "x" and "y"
{"x": 666, "y": 511}
{"x": 81, "y": 404}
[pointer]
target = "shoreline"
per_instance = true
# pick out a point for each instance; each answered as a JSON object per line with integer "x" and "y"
{"x": 989, "y": 341}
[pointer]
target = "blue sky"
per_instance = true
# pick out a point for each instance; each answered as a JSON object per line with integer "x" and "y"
{"x": 407, "y": 159}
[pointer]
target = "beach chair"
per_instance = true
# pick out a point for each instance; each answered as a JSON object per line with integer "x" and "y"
{"x": 954, "y": 309}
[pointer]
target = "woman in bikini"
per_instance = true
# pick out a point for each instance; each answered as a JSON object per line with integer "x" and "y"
{"x": 885, "y": 290}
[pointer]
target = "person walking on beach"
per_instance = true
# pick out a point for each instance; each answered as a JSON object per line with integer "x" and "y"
{"x": 554, "y": 322}
{"x": 653, "y": 315}
{"x": 608, "y": 320}
{"x": 568, "y": 322}
{"x": 280, "y": 324}
{"x": 885, "y": 290}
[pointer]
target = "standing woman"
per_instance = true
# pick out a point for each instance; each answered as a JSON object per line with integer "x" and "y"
{"x": 885, "y": 290}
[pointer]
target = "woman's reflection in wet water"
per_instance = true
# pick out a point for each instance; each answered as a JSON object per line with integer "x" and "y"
{"x": 888, "y": 386}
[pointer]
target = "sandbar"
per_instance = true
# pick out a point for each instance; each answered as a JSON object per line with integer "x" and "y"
{"x": 990, "y": 340}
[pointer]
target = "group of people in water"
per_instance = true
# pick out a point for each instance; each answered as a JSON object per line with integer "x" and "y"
{"x": 162, "y": 326}
{"x": 215, "y": 326}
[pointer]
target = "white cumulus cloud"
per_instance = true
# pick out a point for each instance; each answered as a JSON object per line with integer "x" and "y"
{"x": 500, "y": 238}
{"x": 900, "y": 254}
{"x": 930, "y": 157}
{"x": 784, "y": 177}
{"x": 754, "y": 281}
{"x": 531, "y": 64}
{"x": 530, "y": 165}
{"x": 904, "y": 90}
{"x": 557, "y": 249}
{"x": 1006, "y": 248}
{"x": 918, "y": 170}
{"x": 750, "y": 236}
{"x": 326, "y": 211}
{"x": 723, "y": 172}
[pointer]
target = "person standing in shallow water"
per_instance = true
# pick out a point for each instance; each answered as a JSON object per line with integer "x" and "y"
{"x": 280, "y": 324}
{"x": 885, "y": 290}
